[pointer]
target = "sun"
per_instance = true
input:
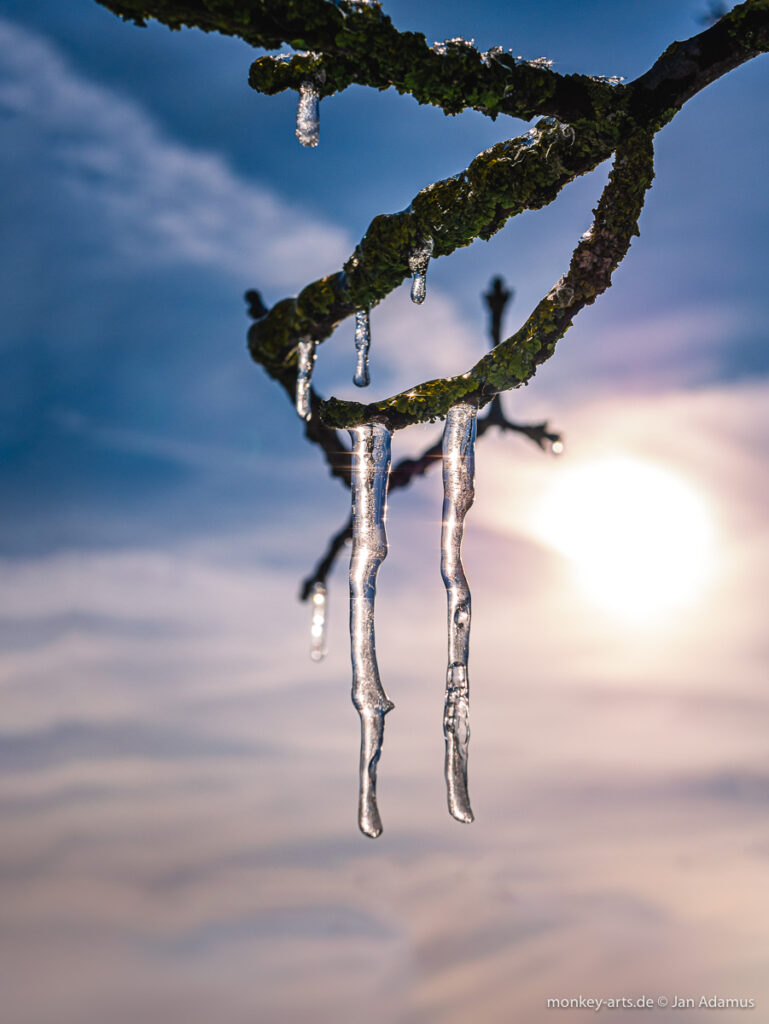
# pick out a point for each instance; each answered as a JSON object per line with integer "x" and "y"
{"x": 640, "y": 537}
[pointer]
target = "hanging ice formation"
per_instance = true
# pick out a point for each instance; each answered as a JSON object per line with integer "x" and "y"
{"x": 318, "y": 627}
{"x": 307, "y": 114}
{"x": 418, "y": 261}
{"x": 305, "y": 362}
{"x": 458, "y": 494}
{"x": 370, "y": 470}
{"x": 362, "y": 345}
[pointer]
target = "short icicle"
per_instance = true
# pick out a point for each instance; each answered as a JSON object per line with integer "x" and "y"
{"x": 418, "y": 261}
{"x": 370, "y": 471}
{"x": 458, "y": 494}
{"x": 305, "y": 362}
{"x": 318, "y": 599}
{"x": 362, "y": 378}
{"x": 307, "y": 114}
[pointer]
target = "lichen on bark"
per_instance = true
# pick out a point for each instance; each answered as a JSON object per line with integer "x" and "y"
{"x": 583, "y": 122}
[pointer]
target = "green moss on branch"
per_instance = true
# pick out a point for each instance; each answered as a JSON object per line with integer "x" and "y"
{"x": 523, "y": 173}
{"x": 356, "y": 43}
{"x": 514, "y": 361}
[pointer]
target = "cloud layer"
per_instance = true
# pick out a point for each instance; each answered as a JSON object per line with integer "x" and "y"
{"x": 179, "y": 788}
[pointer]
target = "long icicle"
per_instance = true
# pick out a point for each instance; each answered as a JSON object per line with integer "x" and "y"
{"x": 370, "y": 470}
{"x": 362, "y": 378}
{"x": 458, "y": 494}
{"x": 305, "y": 361}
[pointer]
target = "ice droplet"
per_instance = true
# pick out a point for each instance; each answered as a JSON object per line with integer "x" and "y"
{"x": 362, "y": 343}
{"x": 557, "y": 447}
{"x": 305, "y": 362}
{"x": 458, "y": 494}
{"x": 418, "y": 262}
{"x": 318, "y": 649}
{"x": 307, "y": 114}
{"x": 370, "y": 471}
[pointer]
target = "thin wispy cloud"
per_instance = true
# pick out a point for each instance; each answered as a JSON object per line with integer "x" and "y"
{"x": 154, "y": 201}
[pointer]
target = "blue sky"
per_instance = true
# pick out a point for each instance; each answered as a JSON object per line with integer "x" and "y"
{"x": 177, "y": 802}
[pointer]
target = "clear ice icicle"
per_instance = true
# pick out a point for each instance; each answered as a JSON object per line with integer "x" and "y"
{"x": 307, "y": 114}
{"x": 305, "y": 362}
{"x": 318, "y": 648}
{"x": 458, "y": 494}
{"x": 418, "y": 261}
{"x": 370, "y": 470}
{"x": 362, "y": 345}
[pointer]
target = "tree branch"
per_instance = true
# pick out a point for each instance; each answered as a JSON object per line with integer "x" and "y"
{"x": 357, "y": 43}
{"x": 515, "y": 360}
{"x": 452, "y": 75}
{"x": 407, "y": 470}
{"x": 525, "y": 173}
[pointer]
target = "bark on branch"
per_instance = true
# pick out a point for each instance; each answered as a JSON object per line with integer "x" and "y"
{"x": 587, "y": 121}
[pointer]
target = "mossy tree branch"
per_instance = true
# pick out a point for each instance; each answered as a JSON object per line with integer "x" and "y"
{"x": 525, "y": 173}
{"x": 515, "y": 360}
{"x": 407, "y": 470}
{"x": 588, "y": 121}
{"x": 357, "y": 43}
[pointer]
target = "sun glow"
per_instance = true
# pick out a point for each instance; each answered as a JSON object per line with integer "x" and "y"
{"x": 640, "y": 537}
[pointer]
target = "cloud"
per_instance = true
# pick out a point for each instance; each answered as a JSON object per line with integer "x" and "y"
{"x": 154, "y": 201}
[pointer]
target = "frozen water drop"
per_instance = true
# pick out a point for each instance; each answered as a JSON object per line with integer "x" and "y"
{"x": 458, "y": 494}
{"x": 370, "y": 472}
{"x": 557, "y": 447}
{"x": 307, "y": 114}
{"x": 305, "y": 362}
{"x": 318, "y": 648}
{"x": 418, "y": 262}
{"x": 362, "y": 343}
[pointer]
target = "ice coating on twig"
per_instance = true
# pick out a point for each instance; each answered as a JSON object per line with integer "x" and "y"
{"x": 318, "y": 649}
{"x": 305, "y": 362}
{"x": 458, "y": 43}
{"x": 370, "y": 470}
{"x": 418, "y": 261}
{"x": 458, "y": 494}
{"x": 535, "y": 62}
{"x": 362, "y": 345}
{"x": 608, "y": 79}
{"x": 307, "y": 114}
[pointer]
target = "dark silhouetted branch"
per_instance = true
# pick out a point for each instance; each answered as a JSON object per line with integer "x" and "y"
{"x": 407, "y": 470}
